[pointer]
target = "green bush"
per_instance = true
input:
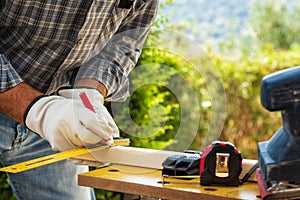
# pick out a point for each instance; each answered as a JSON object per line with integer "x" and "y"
{"x": 246, "y": 121}
{"x": 161, "y": 86}
{"x": 276, "y": 23}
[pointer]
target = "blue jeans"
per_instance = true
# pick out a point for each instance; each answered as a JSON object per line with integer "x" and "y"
{"x": 56, "y": 181}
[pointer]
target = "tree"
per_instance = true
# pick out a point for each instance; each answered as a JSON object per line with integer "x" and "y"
{"x": 276, "y": 22}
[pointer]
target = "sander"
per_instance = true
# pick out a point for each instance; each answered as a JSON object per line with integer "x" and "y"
{"x": 278, "y": 174}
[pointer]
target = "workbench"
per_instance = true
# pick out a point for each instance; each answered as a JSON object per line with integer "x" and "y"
{"x": 148, "y": 182}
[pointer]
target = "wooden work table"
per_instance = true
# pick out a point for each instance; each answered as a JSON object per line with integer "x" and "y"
{"x": 148, "y": 182}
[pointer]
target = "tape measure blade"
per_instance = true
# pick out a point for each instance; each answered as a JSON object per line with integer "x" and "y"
{"x": 23, "y": 166}
{"x": 38, "y": 162}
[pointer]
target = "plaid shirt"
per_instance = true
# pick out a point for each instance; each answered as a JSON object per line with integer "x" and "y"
{"x": 42, "y": 43}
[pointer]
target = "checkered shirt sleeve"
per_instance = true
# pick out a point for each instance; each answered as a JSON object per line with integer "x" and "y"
{"x": 42, "y": 43}
{"x": 8, "y": 75}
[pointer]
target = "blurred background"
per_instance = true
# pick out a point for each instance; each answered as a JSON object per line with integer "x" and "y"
{"x": 239, "y": 42}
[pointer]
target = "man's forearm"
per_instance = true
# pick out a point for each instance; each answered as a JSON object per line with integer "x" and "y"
{"x": 94, "y": 84}
{"x": 14, "y": 101}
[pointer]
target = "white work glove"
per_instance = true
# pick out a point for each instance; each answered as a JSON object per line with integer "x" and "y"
{"x": 67, "y": 123}
{"x": 97, "y": 101}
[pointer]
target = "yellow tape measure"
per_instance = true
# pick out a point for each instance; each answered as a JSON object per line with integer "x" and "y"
{"x": 38, "y": 162}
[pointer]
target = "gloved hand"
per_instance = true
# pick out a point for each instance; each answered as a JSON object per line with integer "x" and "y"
{"x": 97, "y": 101}
{"x": 67, "y": 123}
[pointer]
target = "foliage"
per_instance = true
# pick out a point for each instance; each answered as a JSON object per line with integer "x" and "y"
{"x": 5, "y": 189}
{"x": 159, "y": 103}
{"x": 276, "y": 23}
{"x": 247, "y": 122}
{"x": 107, "y": 195}
{"x": 162, "y": 20}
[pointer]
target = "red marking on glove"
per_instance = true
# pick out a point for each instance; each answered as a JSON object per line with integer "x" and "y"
{"x": 86, "y": 102}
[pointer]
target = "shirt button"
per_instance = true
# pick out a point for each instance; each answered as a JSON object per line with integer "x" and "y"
{"x": 79, "y": 42}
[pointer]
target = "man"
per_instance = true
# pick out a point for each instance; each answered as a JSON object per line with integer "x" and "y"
{"x": 45, "y": 45}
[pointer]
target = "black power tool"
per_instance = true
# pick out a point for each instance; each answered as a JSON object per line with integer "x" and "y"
{"x": 279, "y": 158}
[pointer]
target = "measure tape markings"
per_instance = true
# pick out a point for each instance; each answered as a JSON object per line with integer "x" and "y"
{"x": 38, "y": 162}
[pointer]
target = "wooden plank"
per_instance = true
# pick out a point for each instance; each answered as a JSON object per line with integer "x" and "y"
{"x": 140, "y": 157}
{"x": 148, "y": 182}
{"x": 147, "y": 158}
